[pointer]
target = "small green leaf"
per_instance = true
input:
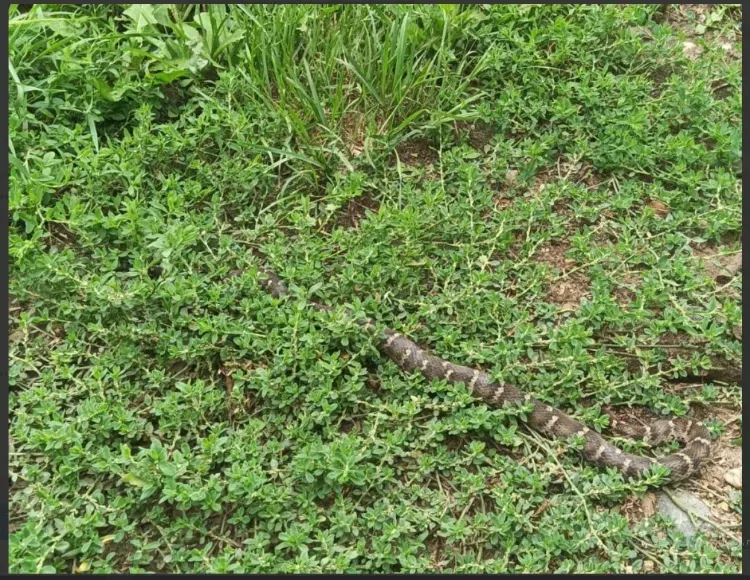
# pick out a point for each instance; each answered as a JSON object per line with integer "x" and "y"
{"x": 167, "y": 469}
{"x": 133, "y": 480}
{"x": 142, "y": 15}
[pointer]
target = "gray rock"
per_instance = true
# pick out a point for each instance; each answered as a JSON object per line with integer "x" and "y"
{"x": 734, "y": 477}
{"x": 677, "y": 513}
{"x": 691, "y": 50}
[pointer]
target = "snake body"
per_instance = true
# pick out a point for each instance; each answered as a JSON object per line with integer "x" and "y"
{"x": 543, "y": 418}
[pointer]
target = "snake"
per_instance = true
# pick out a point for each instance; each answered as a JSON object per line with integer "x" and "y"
{"x": 545, "y": 419}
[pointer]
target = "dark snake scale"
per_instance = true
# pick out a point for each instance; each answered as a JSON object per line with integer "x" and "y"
{"x": 544, "y": 419}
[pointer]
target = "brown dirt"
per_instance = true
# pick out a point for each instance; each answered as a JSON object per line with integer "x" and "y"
{"x": 623, "y": 294}
{"x": 353, "y": 127}
{"x": 454, "y": 442}
{"x": 576, "y": 172}
{"x": 435, "y": 545}
{"x": 542, "y": 179}
{"x": 502, "y": 203}
{"x": 721, "y": 90}
{"x": 634, "y": 508}
{"x": 14, "y": 310}
{"x": 719, "y": 264}
{"x": 660, "y": 75}
{"x": 504, "y": 198}
{"x": 562, "y": 208}
{"x": 355, "y": 210}
{"x": 60, "y": 237}
{"x": 479, "y": 133}
{"x": 347, "y": 425}
{"x": 686, "y": 17}
{"x": 417, "y": 152}
{"x": 679, "y": 16}
{"x": 568, "y": 291}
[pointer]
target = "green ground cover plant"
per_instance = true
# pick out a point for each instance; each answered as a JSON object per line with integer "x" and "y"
{"x": 551, "y": 192}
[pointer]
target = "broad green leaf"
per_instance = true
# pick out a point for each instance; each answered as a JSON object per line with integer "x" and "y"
{"x": 133, "y": 480}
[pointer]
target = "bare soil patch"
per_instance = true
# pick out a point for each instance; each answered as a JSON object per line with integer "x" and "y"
{"x": 720, "y": 264}
{"x": 626, "y": 287}
{"x": 479, "y": 133}
{"x": 355, "y": 210}
{"x": 353, "y": 129}
{"x": 567, "y": 290}
{"x": 417, "y": 152}
{"x": 60, "y": 236}
{"x": 689, "y": 17}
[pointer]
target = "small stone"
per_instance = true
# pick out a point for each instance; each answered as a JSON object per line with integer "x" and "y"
{"x": 648, "y": 566}
{"x": 678, "y": 515}
{"x": 511, "y": 176}
{"x": 734, "y": 477}
{"x": 723, "y": 506}
{"x": 691, "y": 50}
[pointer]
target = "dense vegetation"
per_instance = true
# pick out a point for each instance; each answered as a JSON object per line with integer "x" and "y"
{"x": 551, "y": 192}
